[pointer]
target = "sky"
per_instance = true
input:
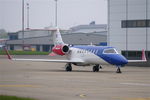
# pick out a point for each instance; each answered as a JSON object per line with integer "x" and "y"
{"x": 42, "y": 13}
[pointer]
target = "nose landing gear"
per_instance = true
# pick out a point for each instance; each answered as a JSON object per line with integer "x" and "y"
{"x": 118, "y": 70}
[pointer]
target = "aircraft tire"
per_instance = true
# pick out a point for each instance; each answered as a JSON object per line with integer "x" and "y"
{"x": 100, "y": 67}
{"x": 96, "y": 68}
{"x": 68, "y": 68}
{"x": 118, "y": 70}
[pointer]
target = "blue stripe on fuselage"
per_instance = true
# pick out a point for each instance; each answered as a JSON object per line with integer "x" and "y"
{"x": 97, "y": 50}
{"x": 115, "y": 59}
{"x": 93, "y": 48}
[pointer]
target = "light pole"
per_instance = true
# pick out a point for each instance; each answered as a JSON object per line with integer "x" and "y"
{"x": 27, "y": 15}
{"x": 56, "y": 13}
{"x": 22, "y": 24}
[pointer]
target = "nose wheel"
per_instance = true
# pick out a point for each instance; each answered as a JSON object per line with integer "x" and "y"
{"x": 68, "y": 67}
{"x": 118, "y": 70}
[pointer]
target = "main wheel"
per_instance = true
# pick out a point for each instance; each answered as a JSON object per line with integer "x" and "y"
{"x": 100, "y": 67}
{"x": 68, "y": 67}
{"x": 96, "y": 68}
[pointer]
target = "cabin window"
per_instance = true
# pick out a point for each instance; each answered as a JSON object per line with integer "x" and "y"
{"x": 96, "y": 51}
{"x": 110, "y": 51}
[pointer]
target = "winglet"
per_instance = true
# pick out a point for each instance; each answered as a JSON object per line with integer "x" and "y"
{"x": 8, "y": 55}
{"x": 143, "y": 55}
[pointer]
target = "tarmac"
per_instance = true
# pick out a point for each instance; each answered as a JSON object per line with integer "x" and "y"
{"x": 50, "y": 81}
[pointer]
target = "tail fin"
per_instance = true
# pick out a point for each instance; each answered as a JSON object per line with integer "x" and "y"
{"x": 57, "y": 39}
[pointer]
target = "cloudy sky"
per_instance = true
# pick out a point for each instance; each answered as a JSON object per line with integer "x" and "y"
{"x": 42, "y": 13}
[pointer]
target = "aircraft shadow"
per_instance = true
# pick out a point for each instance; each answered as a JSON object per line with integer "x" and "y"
{"x": 61, "y": 70}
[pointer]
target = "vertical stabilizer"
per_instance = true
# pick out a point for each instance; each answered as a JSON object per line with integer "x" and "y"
{"x": 57, "y": 39}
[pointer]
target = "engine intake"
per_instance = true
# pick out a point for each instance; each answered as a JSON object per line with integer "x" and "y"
{"x": 60, "y": 49}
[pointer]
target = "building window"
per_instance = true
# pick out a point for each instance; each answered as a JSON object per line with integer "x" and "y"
{"x": 103, "y": 43}
{"x": 149, "y": 54}
{"x": 46, "y": 48}
{"x": 11, "y": 47}
{"x": 13, "y": 37}
{"x": 135, "y": 23}
{"x": 37, "y": 47}
{"x": 131, "y": 23}
{"x": 132, "y": 54}
{"x": 141, "y": 23}
{"x": 148, "y": 23}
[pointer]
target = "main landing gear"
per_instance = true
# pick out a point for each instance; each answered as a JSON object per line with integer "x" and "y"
{"x": 118, "y": 70}
{"x": 68, "y": 67}
{"x": 96, "y": 68}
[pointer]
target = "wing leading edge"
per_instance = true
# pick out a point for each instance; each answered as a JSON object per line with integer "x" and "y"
{"x": 43, "y": 60}
{"x": 49, "y": 60}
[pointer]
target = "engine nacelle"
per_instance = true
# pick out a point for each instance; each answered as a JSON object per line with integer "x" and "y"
{"x": 60, "y": 49}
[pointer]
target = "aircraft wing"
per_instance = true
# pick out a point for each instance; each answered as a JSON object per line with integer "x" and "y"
{"x": 137, "y": 60}
{"x": 43, "y": 60}
{"x": 143, "y": 58}
{"x": 49, "y": 60}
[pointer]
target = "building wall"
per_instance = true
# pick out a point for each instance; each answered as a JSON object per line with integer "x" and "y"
{"x": 91, "y": 28}
{"x": 137, "y": 38}
{"x": 148, "y": 29}
{"x": 116, "y": 13}
{"x": 34, "y": 33}
{"x": 124, "y": 30}
{"x": 45, "y": 43}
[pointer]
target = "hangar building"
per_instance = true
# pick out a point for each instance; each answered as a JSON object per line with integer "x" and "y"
{"x": 41, "y": 39}
{"x": 129, "y": 27}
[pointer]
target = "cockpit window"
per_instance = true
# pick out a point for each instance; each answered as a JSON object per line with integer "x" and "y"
{"x": 110, "y": 51}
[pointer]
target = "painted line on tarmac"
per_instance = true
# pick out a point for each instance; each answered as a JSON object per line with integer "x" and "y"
{"x": 121, "y": 98}
{"x": 136, "y": 84}
{"x": 18, "y": 85}
{"x": 137, "y": 99}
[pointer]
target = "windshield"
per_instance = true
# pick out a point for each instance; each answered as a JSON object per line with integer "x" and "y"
{"x": 110, "y": 51}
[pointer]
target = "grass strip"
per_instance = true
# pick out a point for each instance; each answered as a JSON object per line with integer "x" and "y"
{"x": 2, "y": 52}
{"x": 5, "y": 97}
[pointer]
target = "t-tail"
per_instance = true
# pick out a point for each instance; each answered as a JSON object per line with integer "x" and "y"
{"x": 57, "y": 39}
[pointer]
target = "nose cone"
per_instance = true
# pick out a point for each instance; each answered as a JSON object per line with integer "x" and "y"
{"x": 119, "y": 60}
{"x": 116, "y": 59}
{"x": 123, "y": 60}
